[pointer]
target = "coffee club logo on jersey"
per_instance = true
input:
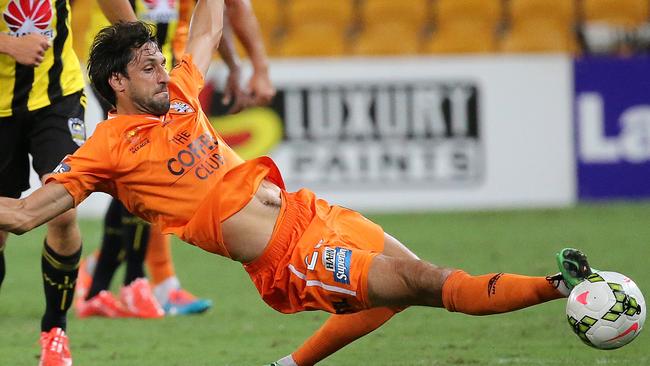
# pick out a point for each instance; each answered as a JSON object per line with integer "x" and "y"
{"x": 199, "y": 155}
{"x": 378, "y": 135}
{"x": 23, "y": 17}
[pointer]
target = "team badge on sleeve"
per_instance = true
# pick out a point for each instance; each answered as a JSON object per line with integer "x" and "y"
{"x": 77, "y": 129}
{"x": 62, "y": 167}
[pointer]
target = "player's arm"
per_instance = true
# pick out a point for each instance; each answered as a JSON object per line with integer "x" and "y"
{"x": 244, "y": 23}
{"x": 117, "y": 10}
{"x": 22, "y": 215}
{"x": 206, "y": 28}
{"x": 232, "y": 91}
{"x": 227, "y": 47}
{"x": 27, "y": 50}
{"x": 182, "y": 28}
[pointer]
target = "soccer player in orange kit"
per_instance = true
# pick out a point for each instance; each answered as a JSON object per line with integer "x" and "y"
{"x": 159, "y": 155}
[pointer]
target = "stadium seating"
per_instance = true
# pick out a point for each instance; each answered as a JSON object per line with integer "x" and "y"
{"x": 270, "y": 16}
{"x": 539, "y": 36}
{"x": 540, "y": 26}
{"x": 312, "y": 39}
{"x": 408, "y": 11}
{"x": 485, "y": 14}
{"x": 385, "y": 27}
{"x": 268, "y": 13}
{"x": 337, "y": 12}
{"x": 560, "y": 11}
{"x": 461, "y": 38}
{"x": 625, "y": 13}
{"x": 390, "y": 38}
{"x": 464, "y": 26}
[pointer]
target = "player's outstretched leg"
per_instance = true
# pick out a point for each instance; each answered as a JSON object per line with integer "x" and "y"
{"x": 337, "y": 332}
{"x": 341, "y": 330}
{"x": 409, "y": 281}
{"x": 396, "y": 282}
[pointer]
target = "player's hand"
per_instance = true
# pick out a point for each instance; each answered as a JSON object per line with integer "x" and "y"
{"x": 261, "y": 89}
{"x": 29, "y": 49}
{"x": 234, "y": 94}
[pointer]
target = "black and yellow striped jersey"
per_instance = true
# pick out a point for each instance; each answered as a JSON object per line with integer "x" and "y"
{"x": 24, "y": 88}
{"x": 163, "y": 14}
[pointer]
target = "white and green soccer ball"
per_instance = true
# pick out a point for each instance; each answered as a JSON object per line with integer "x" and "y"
{"x": 606, "y": 310}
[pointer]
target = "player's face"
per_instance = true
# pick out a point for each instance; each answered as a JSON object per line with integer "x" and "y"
{"x": 148, "y": 80}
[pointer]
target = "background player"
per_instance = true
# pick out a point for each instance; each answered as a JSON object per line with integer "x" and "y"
{"x": 42, "y": 114}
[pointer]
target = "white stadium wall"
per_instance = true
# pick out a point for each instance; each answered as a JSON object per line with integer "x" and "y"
{"x": 404, "y": 134}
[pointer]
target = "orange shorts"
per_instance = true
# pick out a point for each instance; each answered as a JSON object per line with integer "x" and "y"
{"x": 318, "y": 257}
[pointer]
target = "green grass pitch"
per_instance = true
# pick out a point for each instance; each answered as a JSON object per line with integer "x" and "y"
{"x": 241, "y": 330}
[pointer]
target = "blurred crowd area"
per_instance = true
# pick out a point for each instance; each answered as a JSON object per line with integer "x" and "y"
{"x": 335, "y": 28}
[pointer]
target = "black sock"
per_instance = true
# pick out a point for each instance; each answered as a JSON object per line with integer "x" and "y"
{"x": 59, "y": 278}
{"x": 109, "y": 255}
{"x": 135, "y": 238}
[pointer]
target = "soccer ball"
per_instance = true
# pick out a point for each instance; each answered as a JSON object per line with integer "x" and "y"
{"x": 606, "y": 310}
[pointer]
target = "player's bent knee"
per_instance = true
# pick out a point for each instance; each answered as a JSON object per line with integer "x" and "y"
{"x": 405, "y": 281}
{"x": 425, "y": 281}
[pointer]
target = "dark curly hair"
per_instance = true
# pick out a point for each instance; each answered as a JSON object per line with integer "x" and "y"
{"x": 112, "y": 50}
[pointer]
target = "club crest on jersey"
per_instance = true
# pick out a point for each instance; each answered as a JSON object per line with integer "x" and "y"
{"x": 181, "y": 107}
{"x": 136, "y": 140}
{"x": 132, "y": 136}
{"x": 29, "y": 16}
{"x": 77, "y": 129}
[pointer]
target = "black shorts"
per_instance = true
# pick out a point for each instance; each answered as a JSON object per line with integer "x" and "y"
{"x": 47, "y": 134}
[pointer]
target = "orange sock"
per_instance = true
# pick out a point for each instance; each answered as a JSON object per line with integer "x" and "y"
{"x": 494, "y": 293}
{"x": 159, "y": 257}
{"x": 337, "y": 332}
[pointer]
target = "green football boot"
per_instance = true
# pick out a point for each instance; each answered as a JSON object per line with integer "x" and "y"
{"x": 573, "y": 266}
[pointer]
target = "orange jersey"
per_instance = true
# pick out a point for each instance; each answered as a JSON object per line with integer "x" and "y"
{"x": 172, "y": 170}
